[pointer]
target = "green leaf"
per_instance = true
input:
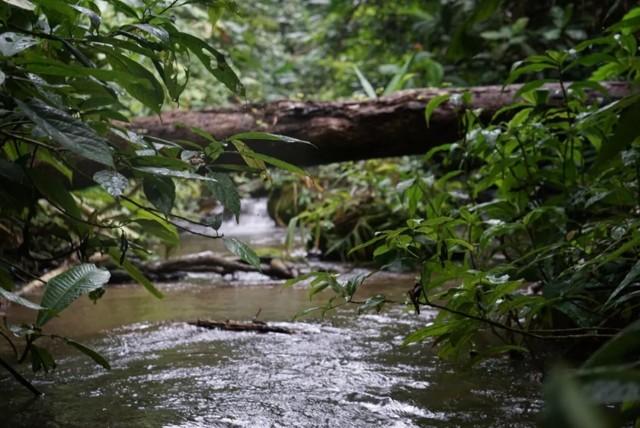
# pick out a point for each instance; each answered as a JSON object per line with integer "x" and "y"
{"x": 398, "y": 79}
{"x": 70, "y": 133}
{"x": 99, "y": 359}
{"x": 435, "y": 329}
{"x": 374, "y": 302}
{"x": 166, "y": 172}
{"x": 14, "y": 43}
{"x": 266, "y": 136}
{"x": 624, "y": 347}
{"x": 6, "y": 282}
{"x": 41, "y": 359}
{"x": 159, "y": 33}
{"x": 63, "y": 289}
{"x": 135, "y": 273}
{"x": 160, "y": 229}
{"x": 111, "y": 181}
{"x": 243, "y": 251}
{"x": 22, "y": 4}
{"x": 278, "y": 163}
{"x": 213, "y": 61}
{"x": 53, "y": 189}
{"x": 433, "y": 104}
{"x": 366, "y": 85}
{"x": 224, "y": 190}
{"x": 633, "y": 274}
{"x": 626, "y": 132}
{"x": 160, "y": 191}
{"x": 15, "y": 298}
{"x": 140, "y": 82}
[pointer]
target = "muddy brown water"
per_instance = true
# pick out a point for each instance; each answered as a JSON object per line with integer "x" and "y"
{"x": 343, "y": 370}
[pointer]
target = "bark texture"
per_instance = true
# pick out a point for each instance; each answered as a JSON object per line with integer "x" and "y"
{"x": 348, "y": 130}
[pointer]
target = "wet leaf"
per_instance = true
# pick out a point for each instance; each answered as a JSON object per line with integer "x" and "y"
{"x": 111, "y": 181}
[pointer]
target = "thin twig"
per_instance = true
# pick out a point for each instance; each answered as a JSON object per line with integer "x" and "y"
{"x": 20, "y": 378}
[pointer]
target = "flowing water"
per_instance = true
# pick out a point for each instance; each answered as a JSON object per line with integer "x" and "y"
{"x": 340, "y": 371}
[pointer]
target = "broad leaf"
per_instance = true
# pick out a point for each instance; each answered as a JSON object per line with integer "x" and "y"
{"x": 63, "y": 289}
{"x": 160, "y": 191}
{"x": 224, "y": 190}
{"x": 70, "y": 133}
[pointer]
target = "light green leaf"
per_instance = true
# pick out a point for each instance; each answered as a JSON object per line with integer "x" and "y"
{"x": 433, "y": 104}
{"x": 266, "y": 136}
{"x": 243, "y": 251}
{"x": 366, "y": 85}
{"x": 63, "y": 289}
{"x": 279, "y": 163}
{"x": 15, "y": 298}
{"x": 22, "y": 4}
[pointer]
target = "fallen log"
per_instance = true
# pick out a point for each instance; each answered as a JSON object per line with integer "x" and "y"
{"x": 348, "y": 130}
{"x": 256, "y": 326}
{"x": 208, "y": 261}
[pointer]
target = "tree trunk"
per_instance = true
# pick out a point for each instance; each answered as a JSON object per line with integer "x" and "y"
{"x": 348, "y": 130}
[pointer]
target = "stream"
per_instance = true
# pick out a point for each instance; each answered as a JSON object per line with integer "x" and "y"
{"x": 342, "y": 370}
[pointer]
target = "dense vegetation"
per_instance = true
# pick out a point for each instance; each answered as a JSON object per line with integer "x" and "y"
{"x": 76, "y": 186}
{"x": 524, "y": 232}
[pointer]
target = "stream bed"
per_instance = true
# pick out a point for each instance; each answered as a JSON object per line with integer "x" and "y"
{"x": 343, "y": 370}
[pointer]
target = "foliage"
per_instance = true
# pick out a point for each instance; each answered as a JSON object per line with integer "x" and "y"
{"x": 347, "y": 205}
{"x": 75, "y": 183}
{"x": 286, "y": 49}
{"x": 526, "y": 230}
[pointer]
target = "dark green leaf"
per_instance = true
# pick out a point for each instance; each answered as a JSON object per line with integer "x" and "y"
{"x": 160, "y": 191}
{"x": 99, "y": 359}
{"x": 224, "y": 190}
{"x": 70, "y": 133}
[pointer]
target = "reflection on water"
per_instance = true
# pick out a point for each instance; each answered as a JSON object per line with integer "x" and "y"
{"x": 341, "y": 371}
